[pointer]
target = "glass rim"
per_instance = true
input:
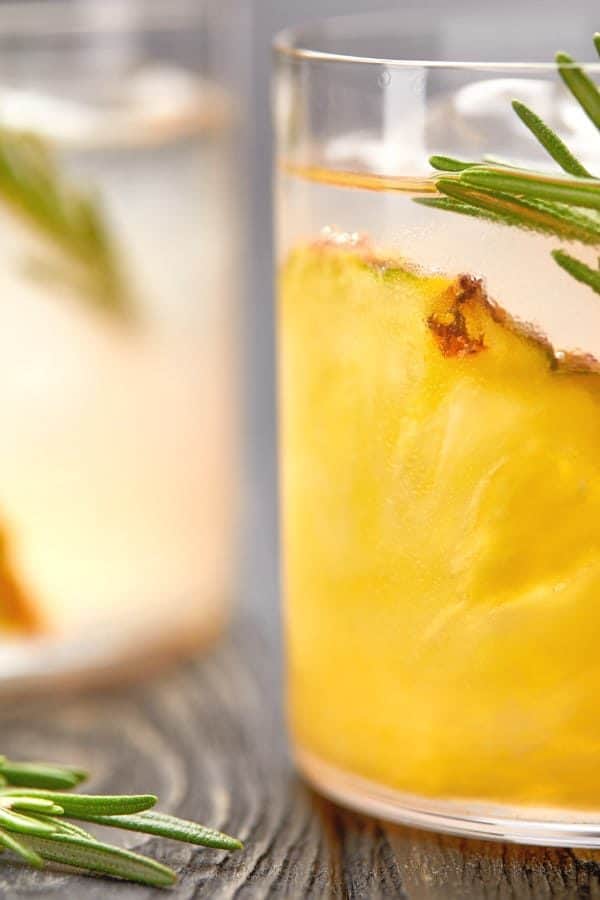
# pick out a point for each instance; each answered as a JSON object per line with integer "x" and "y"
{"x": 295, "y": 43}
{"x": 39, "y": 18}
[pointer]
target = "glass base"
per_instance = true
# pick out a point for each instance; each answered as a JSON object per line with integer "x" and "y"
{"x": 128, "y": 650}
{"x": 548, "y": 827}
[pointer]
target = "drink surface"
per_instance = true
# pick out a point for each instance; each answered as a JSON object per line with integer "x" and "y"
{"x": 116, "y": 470}
{"x": 440, "y": 414}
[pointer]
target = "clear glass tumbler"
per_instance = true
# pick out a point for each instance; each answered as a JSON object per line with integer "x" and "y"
{"x": 119, "y": 216}
{"x": 439, "y": 389}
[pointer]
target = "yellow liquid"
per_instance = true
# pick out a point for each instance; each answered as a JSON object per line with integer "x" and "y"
{"x": 441, "y": 532}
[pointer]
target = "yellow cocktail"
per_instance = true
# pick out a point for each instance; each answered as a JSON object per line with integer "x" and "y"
{"x": 439, "y": 397}
{"x": 441, "y": 482}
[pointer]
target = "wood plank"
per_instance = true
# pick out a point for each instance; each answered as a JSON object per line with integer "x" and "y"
{"x": 208, "y": 737}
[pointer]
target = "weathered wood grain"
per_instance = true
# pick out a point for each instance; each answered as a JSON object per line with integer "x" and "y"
{"x": 207, "y": 736}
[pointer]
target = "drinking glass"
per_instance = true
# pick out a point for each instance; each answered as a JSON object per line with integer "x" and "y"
{"x": 439, "y": 395}
{"x": 119, "y": 209}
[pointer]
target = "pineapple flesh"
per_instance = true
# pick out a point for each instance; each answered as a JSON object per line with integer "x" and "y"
{"x": 441, "y": 534}
{"x": 17, "y": 612}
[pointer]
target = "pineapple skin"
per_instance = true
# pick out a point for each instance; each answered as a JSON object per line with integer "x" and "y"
{"x": 440, "y": 476}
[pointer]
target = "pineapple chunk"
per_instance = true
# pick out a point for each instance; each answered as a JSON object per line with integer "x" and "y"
{"x": 441, "y": 535}
{"x": 16, "y": 611}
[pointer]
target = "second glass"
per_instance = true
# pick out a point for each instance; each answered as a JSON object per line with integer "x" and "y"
{"x": 118, "y": 385}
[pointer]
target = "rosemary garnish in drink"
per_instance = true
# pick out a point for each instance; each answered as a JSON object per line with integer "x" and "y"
{"x": 34, "y": 804}
{"x": 565, "y": 206}
{"x": 70, "y": 219}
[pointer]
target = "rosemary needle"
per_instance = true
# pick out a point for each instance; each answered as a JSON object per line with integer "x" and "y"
{"x": 73, "y": 804}
{"x": 579, "y": 270}
{"x": 102, "y": 858}
{"x": 551, "y": 142}
{"x": 41, "y": 775}
{"x": 163, "y": 825}
{"x": 578, "y": 192}
{"x": 581, "y": 86}
{"x": 33, "y": 186}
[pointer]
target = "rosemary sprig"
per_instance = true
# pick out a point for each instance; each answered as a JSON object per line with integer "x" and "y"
{"x": 549, "y": 204}
{"x": 70, "y": 219}
{"x": 33, "y": 824}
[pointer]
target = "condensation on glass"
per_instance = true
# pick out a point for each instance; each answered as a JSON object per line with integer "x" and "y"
{"x": 118, "y": 462}
{"x": 440, "y": 415}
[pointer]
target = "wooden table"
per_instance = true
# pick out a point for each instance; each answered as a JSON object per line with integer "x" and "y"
{"x": 207, "y": 737}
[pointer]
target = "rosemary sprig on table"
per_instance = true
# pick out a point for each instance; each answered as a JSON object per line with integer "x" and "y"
{"x": 70, "y": 219}
{"x": 564, "y": 206}
{"x": 34, "y": 804}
